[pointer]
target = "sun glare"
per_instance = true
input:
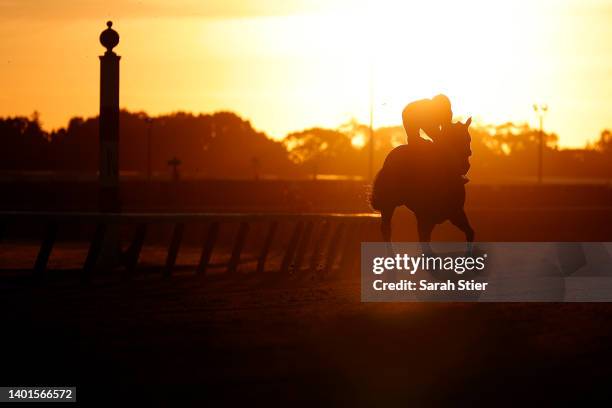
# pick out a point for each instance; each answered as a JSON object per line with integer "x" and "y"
{"x": 358, "y": 141}
{"x": 464, "y": 49}
{"x": 394, "y": 52}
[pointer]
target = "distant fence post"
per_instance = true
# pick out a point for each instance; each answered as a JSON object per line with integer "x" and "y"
{"x": 263, "y": 255}
{"x": 291, "y": 247}
{"x": 209, "y": 246}
{"x": 46, "y": 247}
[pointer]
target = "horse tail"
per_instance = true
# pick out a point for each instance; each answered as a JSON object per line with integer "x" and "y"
{"x": 376, "y": 194}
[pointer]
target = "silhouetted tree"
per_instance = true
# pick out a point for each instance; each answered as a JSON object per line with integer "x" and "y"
{"x": 326, "y": 151}
{"x": 218, "y": 145}
{"x": 604, "y": 144}
{"x": 223, "y": 145}
{"x": 24, "y": 144}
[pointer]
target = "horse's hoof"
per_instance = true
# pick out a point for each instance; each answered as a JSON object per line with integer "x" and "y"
{"x": 470, "y": 249}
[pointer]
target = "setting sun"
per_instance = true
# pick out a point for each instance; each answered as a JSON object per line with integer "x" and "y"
{"x": 358, "y": 141}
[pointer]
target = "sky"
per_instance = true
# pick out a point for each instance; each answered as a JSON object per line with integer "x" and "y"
{"x": 287, "y": 65}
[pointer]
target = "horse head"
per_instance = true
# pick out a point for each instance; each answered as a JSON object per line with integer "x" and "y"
{"x": 457, "y": 140}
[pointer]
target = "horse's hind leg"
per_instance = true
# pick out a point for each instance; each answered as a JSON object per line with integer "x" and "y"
{"x": 460, "y": 220}
{"x": 385, "y": 223}
{"x": 385, "y": 227}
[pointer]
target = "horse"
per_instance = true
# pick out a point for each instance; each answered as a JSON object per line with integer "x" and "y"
{"x": 427, "y": 178}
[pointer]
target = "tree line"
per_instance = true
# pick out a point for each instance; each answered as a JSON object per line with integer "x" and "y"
{"x": 223, "y": 145}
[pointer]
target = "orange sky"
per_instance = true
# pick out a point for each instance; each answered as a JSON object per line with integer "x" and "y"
{"x": 291, "y": 64}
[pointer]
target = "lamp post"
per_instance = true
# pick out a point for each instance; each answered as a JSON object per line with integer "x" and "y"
{"x": 149, "y": 133}
{"x": 174, "y": 163}
{"x": 371, "y": 144}
{"x": 540, "y": 110}
{"x": 108, "y": 182}
{"x": 109, "y": 122}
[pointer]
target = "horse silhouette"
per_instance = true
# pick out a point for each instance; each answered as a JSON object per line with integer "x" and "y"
{"x": 428, "y": 179}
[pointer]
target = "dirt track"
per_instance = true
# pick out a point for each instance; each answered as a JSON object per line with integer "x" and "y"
{"x": 295, "y": 340}
{"x": 301, "y": 340}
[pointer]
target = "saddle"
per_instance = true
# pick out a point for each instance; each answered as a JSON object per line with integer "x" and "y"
{"x": 422, "y": 164}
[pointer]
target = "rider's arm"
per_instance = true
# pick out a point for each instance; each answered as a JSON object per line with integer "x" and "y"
{"x": 433, "y": 132}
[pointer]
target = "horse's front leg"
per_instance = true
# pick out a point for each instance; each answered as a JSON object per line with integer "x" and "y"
{"x": 385, "y": 223}
{"x": 460, "y": 220}
{"x": 385, "y": 227}
{"x": 425, "y": 227}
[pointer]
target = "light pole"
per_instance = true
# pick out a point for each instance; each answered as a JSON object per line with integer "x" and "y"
{"x": 540, "y": 110}
{"x": 149, "y": 132}
{"x": 109, "y": 255}
{"x": 174, "y": 163}
{"x": 109, "y": 122}
{"x": 371, "y": 147}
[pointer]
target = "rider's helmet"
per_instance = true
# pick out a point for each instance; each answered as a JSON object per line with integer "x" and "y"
{"x": 443, "y": 106}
